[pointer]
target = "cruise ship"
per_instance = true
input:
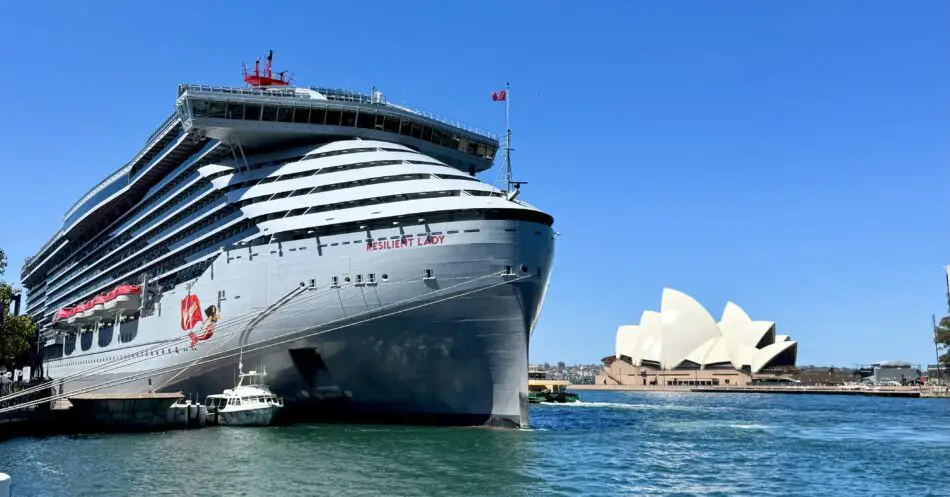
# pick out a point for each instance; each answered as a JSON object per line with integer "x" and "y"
{"x": 341, "y": 241}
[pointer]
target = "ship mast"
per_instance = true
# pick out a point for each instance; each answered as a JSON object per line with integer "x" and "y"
{"x": 513, "y": 187}
{"x": 507, "y": 136}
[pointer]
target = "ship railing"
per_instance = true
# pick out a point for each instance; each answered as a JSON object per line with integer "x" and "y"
{"x": 341, "y": 95}
{"x": 161, "y": 129}
{"x": 352, "y": 96}
{"x": 258, "y": 92}
{"x": 165, "y": 126}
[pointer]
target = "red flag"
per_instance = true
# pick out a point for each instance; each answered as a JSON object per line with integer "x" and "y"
{"x": 499, "y": 96}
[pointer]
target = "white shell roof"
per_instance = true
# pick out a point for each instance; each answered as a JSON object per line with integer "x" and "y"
{"x": 684, "y": 331}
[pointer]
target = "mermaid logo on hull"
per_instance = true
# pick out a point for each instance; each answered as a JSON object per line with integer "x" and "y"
{"x": 191, "y": 316}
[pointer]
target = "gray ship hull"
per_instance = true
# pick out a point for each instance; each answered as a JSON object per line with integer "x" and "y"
{"x": 448, "y": 349}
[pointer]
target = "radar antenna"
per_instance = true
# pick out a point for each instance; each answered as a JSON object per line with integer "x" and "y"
{"x": 257, "y": 78}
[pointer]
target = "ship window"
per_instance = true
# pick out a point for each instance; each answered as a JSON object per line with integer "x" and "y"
{"x": 270, "y": 113}
{"x": 427, "y": 274}
{"x": 405, "y": 127}
{"x": 371, "y": 278}
{"x": 436, "y": 136}
{"x": 199, "y": 108}
{"x": 252, "y": 112}
{"x": 235, "y": 111}
{"x": 318, "y": 116}
{"x": 335, "y": 281}
{"x": 508, "y": 270}
{"x": 391, "y": 124}
{"x": 301, "y": 115}
{"x": 427, "y": 133}
{"x": 313, "y": 283}
{"x": 333, "y": 117}
{"x": 217, "y": 109}
{"x": 285, "y": 114}
{"x": 365, "y": 120}
{"x": 385, "y": 277}
{"x": 349, "y": 118}
{"x": 359, "y": 279}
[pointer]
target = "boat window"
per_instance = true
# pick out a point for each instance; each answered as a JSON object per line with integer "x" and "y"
{"x": 235, "y": 110}
{"x": 252, "y": 112}
{"x": 391, "y": 124}
{"x": 270, "y": 113}
{"x": 199, "y": 108}
{"x": 365, "y": 120}
{"x": 405, "y": 127}
{"x": 318, "y": 116}
{"x": 285, "y": 114}
{"x": 217, "y": 109}
{"x": 301, "y": 115}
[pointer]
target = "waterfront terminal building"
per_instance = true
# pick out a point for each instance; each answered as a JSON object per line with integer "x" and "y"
{"x": 683, "y": 345}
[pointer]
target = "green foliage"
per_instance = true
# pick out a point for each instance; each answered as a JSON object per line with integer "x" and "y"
{"x": 942, "y": 339}
{"x": 16, "y": 330}
{"x": 14, "y": 340}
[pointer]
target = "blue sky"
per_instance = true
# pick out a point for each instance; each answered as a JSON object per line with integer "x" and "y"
{"x": 790, "y": 156}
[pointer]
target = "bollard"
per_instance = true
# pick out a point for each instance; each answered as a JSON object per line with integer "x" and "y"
{"x": 5, "y": 484}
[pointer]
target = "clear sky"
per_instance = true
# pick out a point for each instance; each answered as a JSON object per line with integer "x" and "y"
{"x": 793, "y": 157}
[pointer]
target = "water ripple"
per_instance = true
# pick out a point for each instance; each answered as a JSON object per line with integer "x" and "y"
{"x": 624, "y": 443}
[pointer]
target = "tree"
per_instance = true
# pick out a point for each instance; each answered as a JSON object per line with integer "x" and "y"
{"x": 16, "y": 331}
{"x": 942, "y": 339}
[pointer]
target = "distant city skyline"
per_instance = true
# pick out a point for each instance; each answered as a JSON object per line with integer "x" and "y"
{"x": 788, "y": 156}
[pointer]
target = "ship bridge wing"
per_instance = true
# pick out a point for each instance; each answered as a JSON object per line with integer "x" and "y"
{"x": 255, "y": 118}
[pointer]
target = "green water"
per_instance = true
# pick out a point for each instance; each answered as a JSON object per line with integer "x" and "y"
{"x": 608, "y": 444}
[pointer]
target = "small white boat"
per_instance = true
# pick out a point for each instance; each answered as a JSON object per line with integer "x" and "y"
{"x": 250, "y": 403}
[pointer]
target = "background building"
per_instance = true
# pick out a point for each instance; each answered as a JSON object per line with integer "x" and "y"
{"x": 683, "y": 345}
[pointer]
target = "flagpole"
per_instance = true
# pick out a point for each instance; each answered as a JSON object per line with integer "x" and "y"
{"x": 508, "y": 135}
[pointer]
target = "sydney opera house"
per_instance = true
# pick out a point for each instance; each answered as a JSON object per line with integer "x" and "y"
{"x": 683, "y": 345}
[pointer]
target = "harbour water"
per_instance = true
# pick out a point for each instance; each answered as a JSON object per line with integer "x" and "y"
{"x": 625, "y": 443}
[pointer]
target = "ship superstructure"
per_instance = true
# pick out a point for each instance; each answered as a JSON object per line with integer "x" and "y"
{"x": 344, "y": 241}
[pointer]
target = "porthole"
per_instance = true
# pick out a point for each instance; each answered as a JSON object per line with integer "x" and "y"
{"x": 384, "y": 277}
{"x": 524, "y": 269}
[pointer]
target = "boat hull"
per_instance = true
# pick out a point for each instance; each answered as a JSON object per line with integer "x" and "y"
{"x": 259, "y": 416}
{"x": 450, "y": 349}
